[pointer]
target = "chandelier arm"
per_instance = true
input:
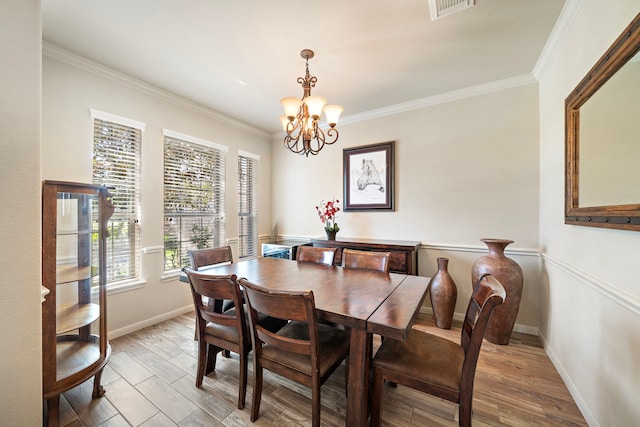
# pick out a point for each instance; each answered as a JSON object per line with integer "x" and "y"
{"x": 292, "y": 139}
{"x": 294, "y": 145}
{"x": 332, "y": 132}
{"x": 294, "y": 126}
{"x": 317, "y": 142}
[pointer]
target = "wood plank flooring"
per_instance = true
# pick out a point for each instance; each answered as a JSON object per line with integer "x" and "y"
{"x": 149, "y": 381}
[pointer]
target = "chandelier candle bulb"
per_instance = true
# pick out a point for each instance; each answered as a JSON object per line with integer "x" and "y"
{"x": 285, "y": 122}
{"x": 291, "y": 106}
{"x": 332, "y": 113}
{"x": 315, "y": 105}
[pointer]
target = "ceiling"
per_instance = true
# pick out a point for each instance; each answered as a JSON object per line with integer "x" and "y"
{"x": 369, "y": 54}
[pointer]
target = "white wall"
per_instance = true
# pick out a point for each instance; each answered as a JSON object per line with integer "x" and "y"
{"x": 590, "y": 298}
{"x": 465, "y": 170}
{"x": 71, "y": 87}
{"x": 20, "y": 284}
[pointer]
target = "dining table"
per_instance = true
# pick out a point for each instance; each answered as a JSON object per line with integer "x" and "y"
{"x": 364, "y": 301}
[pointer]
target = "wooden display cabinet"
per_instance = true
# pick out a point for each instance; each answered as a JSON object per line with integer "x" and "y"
{"x": 74, "y": 321}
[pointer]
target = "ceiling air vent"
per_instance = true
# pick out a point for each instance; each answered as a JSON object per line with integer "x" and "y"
{"x": 442, "y": 8}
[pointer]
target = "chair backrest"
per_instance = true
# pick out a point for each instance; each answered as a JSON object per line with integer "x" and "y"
{"x": 223, "y": 287}
{"x": 315, "y": 254}
{"x": 210, "y": 256}
{"x": 488, "y": 294}
{"x": 367, "y": 260}
{"x": 292, "y": 306}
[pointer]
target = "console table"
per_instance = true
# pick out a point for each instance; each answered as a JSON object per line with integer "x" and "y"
{"x": 404, "y": 254}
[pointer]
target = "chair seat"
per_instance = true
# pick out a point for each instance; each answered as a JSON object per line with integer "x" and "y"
{"x": 332, "y": 342}
{"x": 424, "y": 357}
{"x": 230, "y": 333}
{"x": 225, "y": 332}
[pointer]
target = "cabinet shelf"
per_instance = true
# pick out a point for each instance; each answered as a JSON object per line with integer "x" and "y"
{"x": 76, "y": 232}
{"x": 75, "y": 316}
{"x": 73, "y": 273}
{"x": 73, "y": 355}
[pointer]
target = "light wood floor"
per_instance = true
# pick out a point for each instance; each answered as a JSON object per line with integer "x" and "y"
{"x": 149, "y": 381}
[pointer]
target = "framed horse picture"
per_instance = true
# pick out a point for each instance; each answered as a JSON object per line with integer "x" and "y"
{"x": 368, "y": 174}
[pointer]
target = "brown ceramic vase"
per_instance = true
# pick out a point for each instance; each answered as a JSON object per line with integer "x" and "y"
{"x": 443, "y": 294}
{"x": 509, "y": 273}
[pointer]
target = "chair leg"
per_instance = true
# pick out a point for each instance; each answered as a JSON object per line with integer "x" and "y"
{"x": 212, "y": 352}
{"x": 226, "y": 353}
{"x": 315, "y": 404}
{"x": 376, "y": 401}
{"x": 464, "y": 411}
{"x": 242, "y": 389}
{"x": 346, "y": 376}
{"x": 52, "y": 407}
{"x": 257, "y": 390}
{"x": 202, "y": 361}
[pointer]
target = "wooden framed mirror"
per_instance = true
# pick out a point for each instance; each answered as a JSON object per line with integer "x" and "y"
{"x": 602, "y": 139}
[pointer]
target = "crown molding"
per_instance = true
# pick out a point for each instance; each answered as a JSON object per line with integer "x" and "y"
{"x": 443, "y": 98}
{"x": 58, "y": 53}
{"x": 562, "y": 25}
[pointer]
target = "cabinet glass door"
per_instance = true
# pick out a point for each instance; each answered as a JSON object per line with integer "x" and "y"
{"x": 77, "y": 281}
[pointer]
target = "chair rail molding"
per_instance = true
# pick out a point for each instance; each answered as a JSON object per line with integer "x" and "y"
{"x": 477, "y": 249}
{"x": 630, "y": 302}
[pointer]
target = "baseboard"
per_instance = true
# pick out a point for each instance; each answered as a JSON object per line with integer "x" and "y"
{"x": 149, "y": 322}
{"x": 566, "y": 378}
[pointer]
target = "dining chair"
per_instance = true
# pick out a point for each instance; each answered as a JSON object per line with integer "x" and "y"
{"x": 209, "y": 257}
{"x": 219, "y": 331}
{"x": 367, "y": 260}
{"x": 435, "y": 365}
{"x": 304, "y": 350}
{"x": 223, "y": 331}
{"x": 316, "y": 254}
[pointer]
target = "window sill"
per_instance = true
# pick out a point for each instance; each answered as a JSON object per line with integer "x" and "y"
{"x": 170, "y": 276}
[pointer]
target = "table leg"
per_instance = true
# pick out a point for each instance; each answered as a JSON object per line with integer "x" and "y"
{"x": 358, "y": 387}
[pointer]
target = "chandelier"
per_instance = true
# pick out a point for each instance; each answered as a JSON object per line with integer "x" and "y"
{"x": 301, "y": 117}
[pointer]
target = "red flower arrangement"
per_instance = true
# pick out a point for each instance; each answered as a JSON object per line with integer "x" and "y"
{"x": 327, "y": 213}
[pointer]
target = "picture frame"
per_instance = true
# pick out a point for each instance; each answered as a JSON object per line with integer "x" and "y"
{"x": 368, "y": 177}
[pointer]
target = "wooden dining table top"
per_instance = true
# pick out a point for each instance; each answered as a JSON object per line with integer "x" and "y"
{"x": 382, "y": 303}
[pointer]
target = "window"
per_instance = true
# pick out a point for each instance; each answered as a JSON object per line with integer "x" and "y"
{"x": 117, "y": 146}
{"x": 247, "y": 209}
{"x": 194, "y": 194}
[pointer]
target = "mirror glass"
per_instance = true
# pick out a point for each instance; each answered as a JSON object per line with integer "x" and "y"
{"x": 609, "y": 141}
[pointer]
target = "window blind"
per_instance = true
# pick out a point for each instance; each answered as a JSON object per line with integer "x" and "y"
{"x": 116, "y": 164}
{"x": 247, "y": 209}
{"x": 194, "y": 194}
